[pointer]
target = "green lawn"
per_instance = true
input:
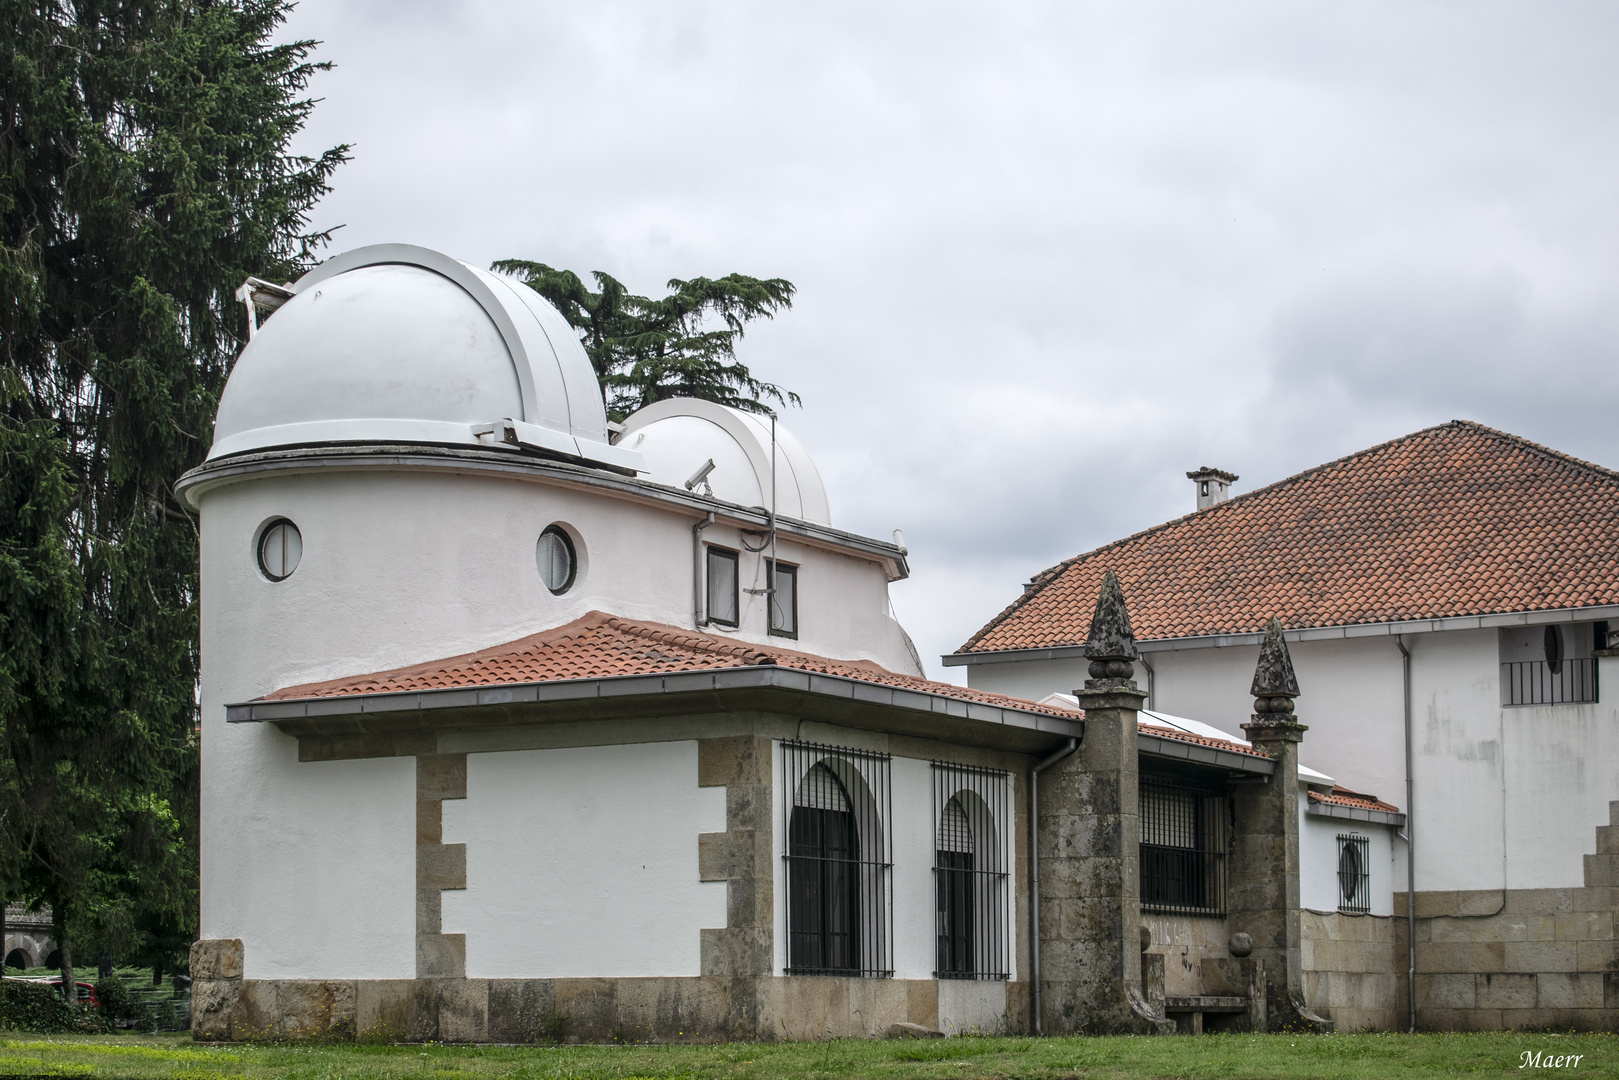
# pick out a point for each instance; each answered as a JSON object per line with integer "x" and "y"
{"x": 1370, "y": 1056}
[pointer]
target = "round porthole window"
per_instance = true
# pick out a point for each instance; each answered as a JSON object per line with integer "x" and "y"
{"x": 281, "y": 545}
{"x": 559, "y": 563}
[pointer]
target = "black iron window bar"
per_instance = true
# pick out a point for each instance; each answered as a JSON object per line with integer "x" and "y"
{"x": 1535, "y": 682}
{"x": 1354, "y": 874}
{"x": 970, "y": 877}
{"x": 1185, "y": 835}
{"x": 837, "y": 804}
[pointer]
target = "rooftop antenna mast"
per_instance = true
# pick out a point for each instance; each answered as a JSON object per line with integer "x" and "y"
{"x": 770, "y": 590}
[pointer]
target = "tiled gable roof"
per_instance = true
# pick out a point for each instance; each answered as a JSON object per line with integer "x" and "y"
{"x": 1341, "y": 796}
{"x": 1201, "y": 740}
{"x": 1454, "y": 520}
{"x": 602, "y": 646}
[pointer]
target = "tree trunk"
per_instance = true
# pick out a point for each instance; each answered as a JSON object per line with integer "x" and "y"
{"x": 70, "y": 989}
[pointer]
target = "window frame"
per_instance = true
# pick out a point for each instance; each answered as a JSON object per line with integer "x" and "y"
{"x": 1356, "y": 898}
{"x": 1201, "y": 868}
{"x": 775, "y": 569}
{"x": 865, "y": 780}
{"x": 263, "y": 537}
{"x": 981, "y": 883}
{"x": 734, "y": 557}
{"x": 573, "y": 558}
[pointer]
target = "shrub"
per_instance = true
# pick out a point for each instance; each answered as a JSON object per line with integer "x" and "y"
{"x": 29, "y": 1006}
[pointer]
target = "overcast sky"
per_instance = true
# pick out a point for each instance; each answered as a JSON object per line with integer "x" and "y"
{"x": 1049, "y": 256}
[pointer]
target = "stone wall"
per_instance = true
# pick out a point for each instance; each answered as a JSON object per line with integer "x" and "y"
{"x": 1515, "y": 958}
{"x": 1185, "y": 941}
{"x": 1349, "y": 969}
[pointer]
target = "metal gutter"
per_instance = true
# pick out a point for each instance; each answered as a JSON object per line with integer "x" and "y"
{"x": 1158, "y": 746}
{"x": 1356, "y": 813}
{"x": 618, "y": 687}
{"x": 514, "y": 463}
{"x": 1312, "y": 633}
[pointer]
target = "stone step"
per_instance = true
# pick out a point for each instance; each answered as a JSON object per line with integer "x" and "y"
{"x": 1613, "y": 813}
{"x": 1607, "y": 839}
{"x": 1602, "y": 871}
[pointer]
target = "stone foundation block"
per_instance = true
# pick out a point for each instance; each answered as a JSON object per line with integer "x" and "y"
{"x": 308, "y": 1009}
{"x": 521, "y": 1010}
{"x": 463, "y": 1010}
{"x": 591, "y": 1006}
{"x": 1505, "y": 991}
{"x": 216, "y": 958}
{"x": 213, "y": 1001}
{"x": 1535, "y": 956}
{"x": 397, "y": 1010}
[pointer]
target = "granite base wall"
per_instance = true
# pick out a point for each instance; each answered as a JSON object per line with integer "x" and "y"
{"x": 1349, "y": 972}
{"x": 698, "y": 1009}
{"x": 1517, "y": 959}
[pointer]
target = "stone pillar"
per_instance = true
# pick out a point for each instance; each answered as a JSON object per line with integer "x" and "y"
{"x": 1264, "y": 871}
{"x": 1089, "y": 836}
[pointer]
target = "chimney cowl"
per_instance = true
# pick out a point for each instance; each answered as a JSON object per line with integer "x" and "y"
{"x": 1212, "y": 485}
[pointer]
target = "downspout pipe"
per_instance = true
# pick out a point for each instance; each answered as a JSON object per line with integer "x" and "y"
{"x": 698, "y": 614}
{"x": 1034, "y": 870}
{"x": 1410, "y": 848}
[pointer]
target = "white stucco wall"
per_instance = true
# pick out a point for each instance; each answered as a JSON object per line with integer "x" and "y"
{"x": 401, "y": 567}
{"x": 582, "y": 862}
{"x": 1318, "y": 860}
{"x": 1506, "y": 796}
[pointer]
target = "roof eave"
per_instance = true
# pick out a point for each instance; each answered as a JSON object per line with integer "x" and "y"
{"x": 1356, "y": 813}
{"x": 770, "y": 688}
{"x": 1309, "y": 633}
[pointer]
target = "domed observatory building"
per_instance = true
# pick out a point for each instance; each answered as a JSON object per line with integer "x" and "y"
{"x": 510, "y": 716}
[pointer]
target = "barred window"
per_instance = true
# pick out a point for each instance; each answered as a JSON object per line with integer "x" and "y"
{"x": 970, "y": 880}
{"x": 1185, "y": 834}
{"x": 838, "y": 807}
{"x": 1354, "y": 874}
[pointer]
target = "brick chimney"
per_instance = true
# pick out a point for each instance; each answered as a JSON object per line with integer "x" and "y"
{"x": 1213, "y": 485}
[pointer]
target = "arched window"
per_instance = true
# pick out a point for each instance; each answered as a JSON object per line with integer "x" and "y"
{"x": 16, "y": 958}
{"x": 837, "y": 810}
{"x": 953, "y": 888}
{"x": 823, "y": 878}
{"x": 972, "y": 916}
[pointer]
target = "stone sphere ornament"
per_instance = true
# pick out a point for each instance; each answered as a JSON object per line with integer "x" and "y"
{"x": 1146, "y": 939}
{"x": 1241, "y": 945}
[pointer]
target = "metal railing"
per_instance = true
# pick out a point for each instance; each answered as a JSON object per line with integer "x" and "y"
{"x": 1185, "y": 835}
{"x": 970, "y": 877}
{"x": 1354, "y": 874}
{"x": 837, "y": 806}
{"x": 1535, "y": 682}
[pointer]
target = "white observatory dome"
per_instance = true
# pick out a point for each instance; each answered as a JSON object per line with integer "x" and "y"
{"x": 678, "y": 436}
{"x": 399, "y": 344}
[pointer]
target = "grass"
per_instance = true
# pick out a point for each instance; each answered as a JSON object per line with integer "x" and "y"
{"x": 1376, "y": 1057}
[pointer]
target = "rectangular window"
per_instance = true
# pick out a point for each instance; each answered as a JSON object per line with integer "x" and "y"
{"x": 1185, "y": 834}
{"x": 838, "y": 808}
{"x": 1550, "y": 665}
{"x": 783, "y": 600}
{"x": 972, "y": 919}
{"x": 1354, "y": 874}
{"x": 723, "y": 599}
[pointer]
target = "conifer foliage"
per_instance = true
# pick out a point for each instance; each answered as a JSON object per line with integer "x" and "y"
{"x": 645, "y": 350}
{"x": 145, "y": 172}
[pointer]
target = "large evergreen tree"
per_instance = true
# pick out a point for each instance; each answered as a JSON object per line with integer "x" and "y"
{"x": 645, "y": 350}
{"x": 144, "y": 173}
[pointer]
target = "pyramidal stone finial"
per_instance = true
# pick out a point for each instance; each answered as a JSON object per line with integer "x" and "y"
{"x": 1274, "y": 688}
{"x": 1111, "y": 645}
{"x": 1274, "y": 676}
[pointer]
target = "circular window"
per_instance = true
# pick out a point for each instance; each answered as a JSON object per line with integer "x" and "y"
{"x": 558, "y": 562}
{"x": 281, "y": 545}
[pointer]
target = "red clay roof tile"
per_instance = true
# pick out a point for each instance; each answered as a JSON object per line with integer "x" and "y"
{"x": 601, "y": 645}
{"x": 1454, "y": 520}
{"x": 1342, "y": 796}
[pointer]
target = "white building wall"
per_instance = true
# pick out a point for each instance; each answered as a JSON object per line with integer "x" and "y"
{"x": 1318, "y": 860}
{"x": 1506, "y": 797}
{"x": 403, "y": 567}
{"x": 582, "y": 862}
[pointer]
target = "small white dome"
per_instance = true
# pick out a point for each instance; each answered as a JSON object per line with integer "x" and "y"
{"x": 676, "y": 436}
{"x": 395, "y": 343}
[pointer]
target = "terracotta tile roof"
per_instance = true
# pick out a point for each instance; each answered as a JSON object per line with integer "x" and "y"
{"x": 1201, "y": 740}
{"x": 1341, "y": 796}
{"x": 601, "y": 646}
{"x": 1458, "y": 519}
